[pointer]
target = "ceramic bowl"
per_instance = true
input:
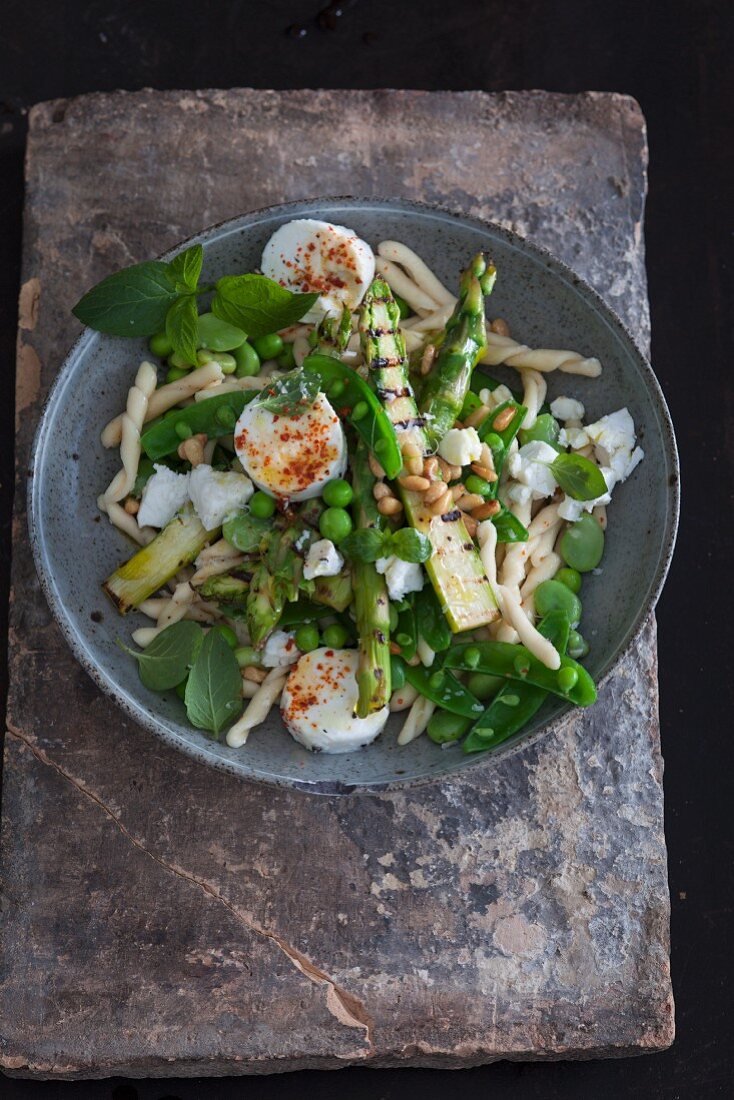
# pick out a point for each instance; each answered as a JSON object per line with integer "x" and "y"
{"x": 545, "y": 304}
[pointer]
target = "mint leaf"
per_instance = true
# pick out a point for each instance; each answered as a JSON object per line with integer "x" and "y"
{"x": 214, "y": 687}
{"x": 580, "y": 478}
{"x": 366, "y": 544}
{"x": 132, "y": 302}
{"x": 258, "y": 304}
{"x": 291, "y": 394}
{"x": 165, "y": 662}
{"x": 182, "y": 327}
{"x": 185, "y": 268}
{"x": 246, "y": 532}
{"x": 410, "y": 545}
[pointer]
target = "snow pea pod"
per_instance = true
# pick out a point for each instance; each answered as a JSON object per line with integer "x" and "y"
{"x": 214, "y": 416}
{"x": 406, "y": 635}
{"x": 443, "y": 688}
{"x": 515, "y": 704}
{"x": 444, "y": 727}
{"x": 509, "y": 528}
{"x": 431, "y": 621}
{"x": 346, "y": 390}
{"x": 515, "y": 662}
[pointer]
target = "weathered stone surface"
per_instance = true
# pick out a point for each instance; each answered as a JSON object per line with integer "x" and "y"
{"x": 160, "y": 918}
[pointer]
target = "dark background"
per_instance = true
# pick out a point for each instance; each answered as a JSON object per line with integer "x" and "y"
{"x": 676, "y": 58}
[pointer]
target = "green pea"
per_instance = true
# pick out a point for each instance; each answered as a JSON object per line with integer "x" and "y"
{"x": 397, "y": 673}
{"x": 545, "y": 429}
{"x": 178, "y": 361}
{"x": 444, "y": 727}
{"x": 554, "y": 596}
{"x": 476, "y": 484}
{"x": 359, "y": 411}
{"x": 582, "y": 544}
{"x": 180, "y": 689}
{"x": 335, "y": 636}
{"x": 247, "y": 361}
{"x": 403, "y": 639}
{"x": 577, "y": 645}
{"x": 174, "y": 373}
{"x": 228, "y": 634}
{"x": 307, "y": 637}
{"x": 570, "y": 577}
{"x": 567, "y": 678}
{"x": 160, "y": 345}
{"x": 246, "y": 656}
{"x": 227, "y": 362}
{"x": 335, "y": 524}
{"x": 436, "y": 680}
{"x": 483, "y": 685}
{"x": 183, "y": 430}
{"x": 261, "y": 505}
{"x": 219, "y": 335}
{"x": 405, "y": 310}
{"x": 335, "y": 391}
{"x": 286, "y": 360}
{"x": 493, "y": 441}
{"x": 472, "y": 657}
{"x": 226, "y": 416}
{"x": 393, "y": 612}
{"x": 268, "y": 347}
{"x": 337, "y": 493}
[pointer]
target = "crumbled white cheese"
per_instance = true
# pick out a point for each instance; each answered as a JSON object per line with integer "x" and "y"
{"x": 571, "y": 509}
{"x": 280, "y": 649}
{"x": 217, "y": 494}
{"x": 614, "y": 443}
{"x": 401, "y": 576}
{"x": 460, "y": 446}
{"x": 498, "y": 396}
{"x": 322, "y": 560}
{"x": 575, "y": 438}
{"x": 529, "y": 466}
{"x": 165, "y": 493}
{"x": 567, "y": 408}
{"x": 302, "y": 541}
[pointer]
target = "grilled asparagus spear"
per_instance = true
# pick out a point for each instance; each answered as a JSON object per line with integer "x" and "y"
{"x": 463, "y": 345}
{"x": 371, "y": 604}
{"x": 455, "y": 568}
{"x": 332, "y": 335}
{"x": 274, "y": 582}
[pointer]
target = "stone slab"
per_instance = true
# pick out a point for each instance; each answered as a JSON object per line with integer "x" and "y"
{"x": 163, "y": 919}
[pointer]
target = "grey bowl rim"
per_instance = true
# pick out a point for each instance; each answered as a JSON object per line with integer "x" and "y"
{"x": 330, "y": 788}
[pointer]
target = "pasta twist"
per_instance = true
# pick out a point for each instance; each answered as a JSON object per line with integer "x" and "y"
{"x": 503, "y": 349}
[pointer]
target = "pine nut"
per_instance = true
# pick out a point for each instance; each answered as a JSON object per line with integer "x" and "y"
{"x": 471, "y": 525}
{"x": 469, "y": 502}
{"x": 414, "y": 466}
{"x": 192, "y": 449}
{"x": 414, "y": 483}
{"x": 443, "y": 504}
{"x": 394, "y": 648}
{"x": 504, "y": 418}
{"x": 476, "y": 418}
{"x": 450, "y": 472}
{"x": 257, "y": 675}
{"x": 389, "y": 506}
{"x": 430, "y": 466}
{"x": 410, "y": 450}
{"x": 483, "y": 471}
{"x": 414, "y": 661}
{"x": 428, "y": 358}
{"x": 437, "y": 489}
{"x": 500, "y": 327}
{"x": 375, "y": 466}
{"x": 380, "y": 490}
{"x": 131, "y": 506}
{"x": 458, "y": 423}
{"x": 487, "y": 510}
{"x": 458, "y": 490}
{"x": 487, "y": 458}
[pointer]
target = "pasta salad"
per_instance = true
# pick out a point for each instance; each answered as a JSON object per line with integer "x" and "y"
{"x": 339, "y": 509}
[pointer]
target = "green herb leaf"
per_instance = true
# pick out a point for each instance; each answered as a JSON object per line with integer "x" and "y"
{"x": 431, "y": 621}
{"x": 132, "y": 302}
{"x": 214, "y": 687}
{"x": 410, "y": 545}
{"x": 258, "y": 304}
{"x": 509, "y": 528}
{"x": 182, "y": 327}
{"x": 291, "y": 395}
{"x": 580, "y": 478}
{"x": 246, "y": 532}
{"x": 366, "y": 544}
{"x": 185, "y": 268}
{"x": 168, "y": 658}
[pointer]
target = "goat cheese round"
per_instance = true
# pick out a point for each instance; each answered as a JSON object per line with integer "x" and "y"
{"x": 318, "y": 703}
{"x": 312, "y": 256}
{"x": 291, "y": 457}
